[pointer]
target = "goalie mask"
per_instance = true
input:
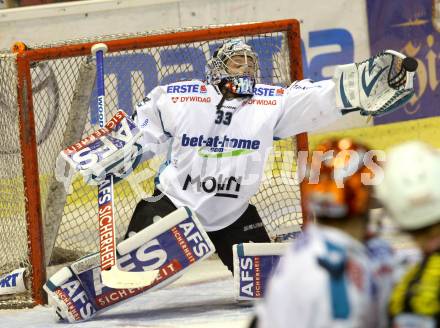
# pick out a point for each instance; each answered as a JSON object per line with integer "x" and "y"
{"x": 334, "y": 188}
{"x": 234, "y": 65}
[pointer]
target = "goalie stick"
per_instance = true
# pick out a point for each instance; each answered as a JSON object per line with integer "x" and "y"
{"x": 111, "y": 275}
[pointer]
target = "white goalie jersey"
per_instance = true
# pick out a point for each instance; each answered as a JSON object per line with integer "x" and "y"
{"x": 216, "y": 156}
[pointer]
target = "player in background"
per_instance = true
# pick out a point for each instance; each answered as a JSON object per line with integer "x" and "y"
{"x": 331, "y": 276}
{"x": 410, "y": 193}
{"x": 220, "y": 132}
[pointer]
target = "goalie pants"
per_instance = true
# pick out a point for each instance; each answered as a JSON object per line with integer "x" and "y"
{"x": 248, "y": 228}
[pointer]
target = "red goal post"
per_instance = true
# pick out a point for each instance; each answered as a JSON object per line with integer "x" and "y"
{"x": 46, "y": 92}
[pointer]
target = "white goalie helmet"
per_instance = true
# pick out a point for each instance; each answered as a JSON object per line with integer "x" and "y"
{"x": 411, "y": 187}
{"x": 217, "y": 71}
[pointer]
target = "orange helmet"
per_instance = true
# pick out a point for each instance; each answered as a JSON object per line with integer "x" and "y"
{"x": 334, "y": 186}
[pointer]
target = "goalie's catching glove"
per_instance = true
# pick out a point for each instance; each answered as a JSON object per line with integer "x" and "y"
{"x": 377, "y": 85}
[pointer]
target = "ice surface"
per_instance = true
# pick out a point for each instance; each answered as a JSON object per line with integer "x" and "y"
{"x": 203, "y": 297}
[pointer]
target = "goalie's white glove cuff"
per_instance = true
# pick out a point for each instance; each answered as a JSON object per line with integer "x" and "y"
{"x": 375, "y": 86}
{"x": 346, "y": 83}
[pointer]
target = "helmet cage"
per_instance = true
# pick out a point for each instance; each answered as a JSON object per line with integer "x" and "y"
{"x": 217, "y": 71}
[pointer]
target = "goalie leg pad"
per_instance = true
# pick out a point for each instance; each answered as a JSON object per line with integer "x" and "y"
{"x": 253, "y": 265}
{"x": 71, "y": 302}
{"x": 171, "y": 245}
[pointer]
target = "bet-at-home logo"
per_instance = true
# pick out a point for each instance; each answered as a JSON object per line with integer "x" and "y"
{"x": 220, "y": 146}
{"x": 222, "y": 186}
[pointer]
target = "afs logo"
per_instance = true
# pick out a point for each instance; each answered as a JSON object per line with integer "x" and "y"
{"x": 250, "y": 277}
{"x": 185, "y": 241}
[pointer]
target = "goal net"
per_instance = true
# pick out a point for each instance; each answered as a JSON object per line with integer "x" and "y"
{"x": 47, "y": 99}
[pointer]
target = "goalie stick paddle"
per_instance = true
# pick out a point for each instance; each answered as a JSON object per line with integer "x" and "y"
{"x": 111, "y": 275}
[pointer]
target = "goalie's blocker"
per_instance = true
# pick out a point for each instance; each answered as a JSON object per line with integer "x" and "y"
{"x": 377, "y": 85}
{"x": 113, "y": 149}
